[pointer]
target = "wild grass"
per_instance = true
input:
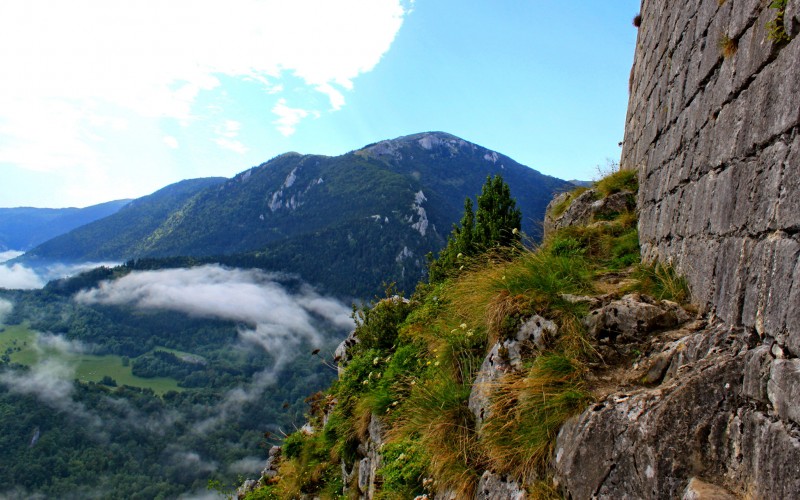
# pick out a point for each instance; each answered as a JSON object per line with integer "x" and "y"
{"x": 727, "y": 45}
{"x": 436, "y": 416}
{"x": 662, "y": 282}
{"x": 527, "y": 411}
{"x": 531, "y": 283}
{"x": 621, "y": 180}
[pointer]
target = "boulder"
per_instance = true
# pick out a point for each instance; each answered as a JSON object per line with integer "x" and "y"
{"x": 586, "y": 208}
{"x": 504, "y": 357}
{"x": 632, "y": 318}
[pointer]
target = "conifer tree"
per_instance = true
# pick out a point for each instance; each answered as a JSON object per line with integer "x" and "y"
{"x": 496, "y": 223}
{"x": 497, "y": 216}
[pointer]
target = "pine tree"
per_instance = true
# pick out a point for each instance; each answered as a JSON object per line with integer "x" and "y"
{"x": 496, "y": 223}
{"x": 497, "y": 216}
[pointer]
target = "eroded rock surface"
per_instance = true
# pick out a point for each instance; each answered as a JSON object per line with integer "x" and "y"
{"x": 586, "y": 208}
{"x": 504, "y": 357}
{"x": 707, "y": 418}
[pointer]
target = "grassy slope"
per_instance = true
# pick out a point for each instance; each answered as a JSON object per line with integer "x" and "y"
{"x": 416, "y": 364}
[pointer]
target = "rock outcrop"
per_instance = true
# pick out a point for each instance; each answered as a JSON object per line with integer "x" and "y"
{"x": 585, "y": 208}
{"x": 715, "y": 141}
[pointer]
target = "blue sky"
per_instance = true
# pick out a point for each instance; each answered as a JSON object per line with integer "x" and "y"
{"x": 105, "y": 100}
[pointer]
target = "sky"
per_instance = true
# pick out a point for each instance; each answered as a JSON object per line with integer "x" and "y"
{"x": 109, "y": 99}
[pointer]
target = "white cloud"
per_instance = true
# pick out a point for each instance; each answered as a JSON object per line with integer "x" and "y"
{"x": 51, "y": 382}
{"x": 247, "y": 465}
{"x": 276, "y": 319}
{"x": 226, "y": 136}
{"x": 73, "y": 71}
{"x": 19, "y": 277}
{"x": 9, "y": 254}
{"x": 288, "y": 118}
{"x": 171, "y": 141}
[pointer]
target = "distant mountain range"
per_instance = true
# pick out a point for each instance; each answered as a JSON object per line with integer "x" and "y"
{"x": 346, "y": 222}
{"x": 23, "y": 228}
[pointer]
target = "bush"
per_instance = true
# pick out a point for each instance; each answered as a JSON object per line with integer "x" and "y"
{"x": 377, "y": 324}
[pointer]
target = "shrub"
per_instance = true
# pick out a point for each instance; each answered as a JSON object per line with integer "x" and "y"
{"x": 377, "y": 324}
{"x": 496, "y": 223}
{"x": 776, "y": 29}
{"x": 405, "y": 464}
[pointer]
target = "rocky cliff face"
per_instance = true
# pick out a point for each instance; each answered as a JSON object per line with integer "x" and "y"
{"x": 714, "y": 138}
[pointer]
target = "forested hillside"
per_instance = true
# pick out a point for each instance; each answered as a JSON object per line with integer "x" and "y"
{"x": 24, "y": 227}
{"x": 348, "y": 223}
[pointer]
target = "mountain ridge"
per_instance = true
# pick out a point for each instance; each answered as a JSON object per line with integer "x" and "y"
{"x": 382, "y": 208}
{"x": 22, "y": 228}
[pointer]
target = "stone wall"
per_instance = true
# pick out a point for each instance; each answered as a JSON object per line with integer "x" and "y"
{"x": 715, "y": 140}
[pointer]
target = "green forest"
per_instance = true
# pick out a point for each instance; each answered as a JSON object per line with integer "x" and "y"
{"x": 155, "y": 403}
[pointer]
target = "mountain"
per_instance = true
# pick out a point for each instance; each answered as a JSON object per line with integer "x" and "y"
{"x": 23, "y": 228}
{"x": 347, "y": 222}
{"x": 111, "y": 237}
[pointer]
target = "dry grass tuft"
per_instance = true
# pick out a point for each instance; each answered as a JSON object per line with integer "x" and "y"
{"x": 728, "y": 46}
{"x": 527, "y": 411}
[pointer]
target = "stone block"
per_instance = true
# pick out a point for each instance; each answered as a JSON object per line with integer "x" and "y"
{"x": 783, "y": 388}
{"x": 756, "y": 373}
{"x": 787, "y": 213}
{"x": 733, "y": 260}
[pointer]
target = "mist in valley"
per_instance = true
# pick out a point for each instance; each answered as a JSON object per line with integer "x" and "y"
{"x": 197, "y": 433}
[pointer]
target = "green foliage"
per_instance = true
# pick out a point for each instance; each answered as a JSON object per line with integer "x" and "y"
{"x": 405, "y": 464}
{"x": 776, "y": 28}
{"x": 377, "y": 324}
{"x": 497, "y": 216}
{"x": 495, "y": 224}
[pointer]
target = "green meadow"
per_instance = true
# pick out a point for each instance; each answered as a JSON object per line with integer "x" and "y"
{"x": 19, "y": 343}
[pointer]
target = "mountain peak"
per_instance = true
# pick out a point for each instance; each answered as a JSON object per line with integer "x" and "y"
{"x": 433, "y": 143}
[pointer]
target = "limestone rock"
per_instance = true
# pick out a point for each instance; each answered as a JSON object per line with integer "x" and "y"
{"x": 492, "y": 486}
{"x": 586, "y": 208}
{"x": 271, "y": 467}
{"x": 783, "y": 388}
{"x": 505, "y": 357}
{"x": 246, "y": 487}
{"x": 373, "y": 460}
{"x": 698, "y": 489}
{"x": 699, "y": 422}
{"x": 632, "y": 318}
{"x": 341, "y": 355}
